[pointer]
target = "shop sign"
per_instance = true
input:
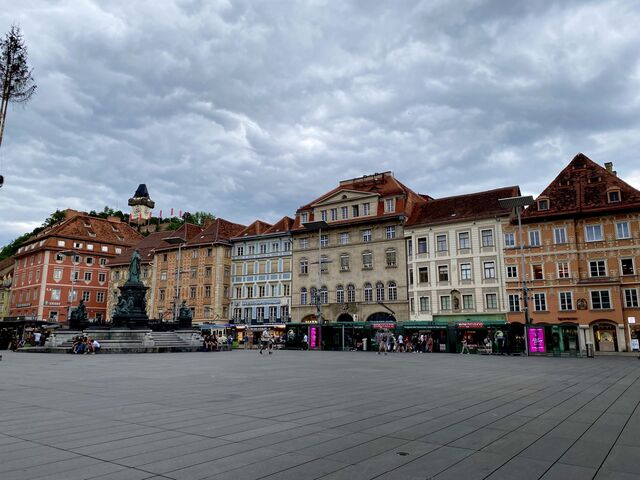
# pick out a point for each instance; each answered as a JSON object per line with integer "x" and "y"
{"x": 631, "y": 319}
{"x": 470, "y": 325}
{"x": 635, "y": 344}
{"x": 379, "y": 325}
{"x": 313, "y": 337}
{"x": 536, "y": 340}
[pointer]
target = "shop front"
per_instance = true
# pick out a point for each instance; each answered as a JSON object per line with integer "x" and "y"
{"x": 556, "y": 339}
{"x": 482, "y": 332}
{"x": 413, "y": 332}
{"x": 605, "y": 336}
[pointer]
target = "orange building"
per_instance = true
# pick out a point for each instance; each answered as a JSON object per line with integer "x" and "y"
{"x": 66, "y": 263}
{"x": 582, "y": 247}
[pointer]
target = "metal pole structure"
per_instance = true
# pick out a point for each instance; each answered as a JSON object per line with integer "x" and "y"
{"x": 73, "y": 280}
{"x": 525, "y": 293}
{"x": 318, "y": 308}
{"x": 177, "y": 297}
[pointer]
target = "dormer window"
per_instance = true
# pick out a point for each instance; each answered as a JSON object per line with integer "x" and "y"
{"x": 613, "y": 196}
{"x": 389, "y": 205}
{"x": 543, "y": 204}
{"x": 304, "y": 217}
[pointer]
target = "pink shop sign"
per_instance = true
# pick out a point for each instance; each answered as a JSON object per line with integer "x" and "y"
{"x": 536, "y": 340}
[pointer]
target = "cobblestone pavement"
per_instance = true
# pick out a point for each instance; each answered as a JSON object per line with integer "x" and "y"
{"x": 329, "y": 415}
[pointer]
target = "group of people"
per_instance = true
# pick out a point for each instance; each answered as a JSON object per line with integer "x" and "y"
{"x": 389, "y": 342}
{"x": 212, "y": 342}
{"x": 84, "y": 345}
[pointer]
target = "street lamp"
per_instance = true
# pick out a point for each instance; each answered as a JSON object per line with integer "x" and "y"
{"x": 179, "y": 241}
{"x": 519, "y": 203}
{"x": 311, "y": 227}
{"x": 73, "y": 279}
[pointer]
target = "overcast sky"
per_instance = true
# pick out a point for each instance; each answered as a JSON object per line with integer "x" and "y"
{"x": 250, "y": 109}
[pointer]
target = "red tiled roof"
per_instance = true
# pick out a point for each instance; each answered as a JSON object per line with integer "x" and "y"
{"x": 146, "y": 247}
{"x": 256, "y": 228}
{"x": 581, "y": 188}
{"x": 281, "y": 226}
{"x": 7, "y": 263}
{"x": 219, "y": 231}
{"x": 462, "y": 207}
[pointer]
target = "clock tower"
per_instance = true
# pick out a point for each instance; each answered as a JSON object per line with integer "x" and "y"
{"x": 141, "y": 205}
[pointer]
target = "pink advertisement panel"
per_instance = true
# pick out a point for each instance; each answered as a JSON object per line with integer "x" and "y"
{"x": 313, "y": 337}
{"x": 536, "y": 340}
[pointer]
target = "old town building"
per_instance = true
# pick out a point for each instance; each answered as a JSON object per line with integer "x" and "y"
{"x": 582, "y": 252}
{"x": 6, "y": 278}
{"x": 119, "y": 267}
{"x": 66, "y": 263}
{"x": 455, "y": 267}
{"x": 198, "y": 261}
{"x": 349, "y": 252}
{"x": 261, "y": 274}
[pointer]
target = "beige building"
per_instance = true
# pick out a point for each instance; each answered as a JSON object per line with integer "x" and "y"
{"x": 200, "y": 265}
{"x": 349, "y": 252}
{"x": 6, "y": 278}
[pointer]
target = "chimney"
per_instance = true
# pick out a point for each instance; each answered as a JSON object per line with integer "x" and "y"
{"x": 609, "y": 166}
{"x": 70, "y": 213}
{"x": 113, "y": 219}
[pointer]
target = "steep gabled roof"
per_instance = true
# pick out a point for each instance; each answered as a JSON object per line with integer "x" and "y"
{"x": 465, "y": 207}
{"x": 281, "y": 226}
{"x": 581, "y": 188}
{"x": 256, "y": 228}
{"x": 219, "y": 231}
{"x": 147, "y": 247}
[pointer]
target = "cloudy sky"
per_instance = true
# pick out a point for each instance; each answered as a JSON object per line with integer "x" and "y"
{"x": 250, "y": 109}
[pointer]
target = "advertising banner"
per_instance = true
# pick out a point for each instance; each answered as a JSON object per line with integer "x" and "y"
{"x": 536, "y": 340}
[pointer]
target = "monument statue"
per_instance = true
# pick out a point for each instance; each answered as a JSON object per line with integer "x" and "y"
{"x": 122, "y": 308}
{"x": 185, "y": 316}
{"x": 134, "y": 267}
{"x": 78, "y": 316}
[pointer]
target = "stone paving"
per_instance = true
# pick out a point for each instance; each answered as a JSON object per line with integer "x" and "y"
{"x": 329, "y": 415}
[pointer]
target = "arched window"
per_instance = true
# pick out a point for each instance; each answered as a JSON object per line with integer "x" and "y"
{"x": 391, "y": 257}
{"x": 367, "y": 259}
{"x": 340, "y": 294}
{"x": 393, "y": 290}
{"x": 313, "y": 292}
{"x": 379, "y": 292}
{"x": 324, "y": 295}
{"x": 368, "y": 292}
{"x": 351, "y": 293}
{"x": 303, "y": 296}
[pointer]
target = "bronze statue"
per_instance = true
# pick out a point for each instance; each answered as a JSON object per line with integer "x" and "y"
{"x": 122, "y": 308}
{"x": 185, "y": 312}
{"x": 80, "y": 313}
{"x": 134, "y": 267}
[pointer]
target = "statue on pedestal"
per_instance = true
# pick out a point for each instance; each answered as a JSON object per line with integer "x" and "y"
{"x": 185, "y": 315}
{"x": 131, "y": 310}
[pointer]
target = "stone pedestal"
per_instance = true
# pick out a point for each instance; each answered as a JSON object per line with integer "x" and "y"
{"x": 133, "y": 294}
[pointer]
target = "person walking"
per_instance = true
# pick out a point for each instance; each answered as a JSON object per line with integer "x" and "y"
{"x": 400, "y": 343}
{"x": 245, "y": 340}
{"x": 464, "y": 346}
{"x": 382, "y": 341}
{"x": 305, "y": 342}
{"x": 500, "y": 342}
{"x": 264, "y": 340}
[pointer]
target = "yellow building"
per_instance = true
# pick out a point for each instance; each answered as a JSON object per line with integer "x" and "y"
{"x": 6, "y": 278}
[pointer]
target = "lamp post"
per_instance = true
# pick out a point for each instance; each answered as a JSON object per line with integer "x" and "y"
{"x": 519, "y": 203}
{"x": 73, "y": 279}
{"x": 179, "y": 241}
{"x": 310, "y": 227}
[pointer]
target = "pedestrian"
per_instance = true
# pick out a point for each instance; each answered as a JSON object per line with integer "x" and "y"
{"x": 382, "y": 341}
{"x": 464, "y": 346}
{"x": 264, "y": 340}
{"x": 430, "y": 344}
{"x": 400, "y": 343}
{"x": 305, "y": 342}
{"x": 500, "y": 342}
{"x": 245, "y": 340}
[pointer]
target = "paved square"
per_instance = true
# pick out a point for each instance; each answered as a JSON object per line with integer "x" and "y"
{"x": 333, "y": 415}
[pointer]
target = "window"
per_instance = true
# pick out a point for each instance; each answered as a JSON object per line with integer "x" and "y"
{"x": 249, "y": 292}
{"x": 489, "y": 270}
{"x": 487, "y": 238}
{"x": 512, "y": 271}
{"x": 100, "y": 297}
{"x": 194, "y": 253}
{"x": 411, "y": 276}
{"x": 303, "y": 296}
{"x": 161, "y": 294}
{"x": 118, "y": 251}
{"x": 626, "y": 265}
{"x": 425, "y": 304}
{"x": 57, "y": 274}
{"x": 104, "y": 248}
{"x": 324, "y": 240}
{"x": 538, "y": 272}
{"x": 540, "y": 302}
{"x": 509, "y": 240}
{"x": 351, "y": 293}
{"x": 614, "y": 196}
{"x": 340, "y": 294}
{"x": 192, "y": 292}
{"x": 324, "y": 264}
{"x": 86, "y": 296}
{"x": 464, "y": 242}
{"x": 467, "y": 302}
{"x": 344, "y": 213}
{"x": 423, "y": 274}
{"x": 543, "y": 204}
{"x": 600, "y": 300}
{"x": 491, "y": 301}
{"x": 323, "y": 215}
{"x": 622, "y": 230}
{"x": 61, "y": 243}
{"x": 390, "y": 232}
{"x": 597, "y": 268}
{"x": 304, "y": 217}
{"x": 379, "y": 292}
{"x": 514, "y": 303}
{"x": 59, "y": 257}
{"x": 263, "y": 248}
{"x": 410, "y": 247}
{"x": 355, "y": 210}
{"x": 560, "y": 235}
{"x": 344, "y": 262}
{"x": 465, "y": 271}
{"x": 412, "y": 305}
{"x": 441, "y": 243}
{"x": 393, "y": 290}
{"x": 103, "y": 261}
{"x": 207, "y": 271}
{"x": 389, "y": 205}
{"x": 367, "y": 260}
{"x": 422, "y": 245}
{"x": 391, "y": 257}
{"x": 239, "y": 252}
{"x": 594, "y": 233}
{"x": 368, "y": 292}
{"x": 534, "y": 238}
{"x": 445, "y": 302}
{"x": 261, "y": 291}
{"x": 102, "y": 277}
{"x": 631, "y": 298}
{"x": 324, "y": 295}
{"x": 89, "y": 260}
{"x": 209, "y": 252}
{"x": 77, "y": 245}
{"x": 304, "y": 267}
{"x": 287, "y": 246}
{"x": 260, "y": 314}
{"x": 344, "y": 238}
{"x": 366, "y": 235}
{"x": 443, "y": 273}
{"x": 304, "y": 243}
{"x": 55, "y": 294}
{"x": 563, "y": 269}
{"x": 566, "y": 300}
{"x": 75, "y": 276}
{"x": 366, "y": 208}
{"x": 252, "y": 249}
{"x": 334, "y": 214}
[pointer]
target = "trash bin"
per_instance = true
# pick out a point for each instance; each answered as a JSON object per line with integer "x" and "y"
{"x": 590, "y": 350}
